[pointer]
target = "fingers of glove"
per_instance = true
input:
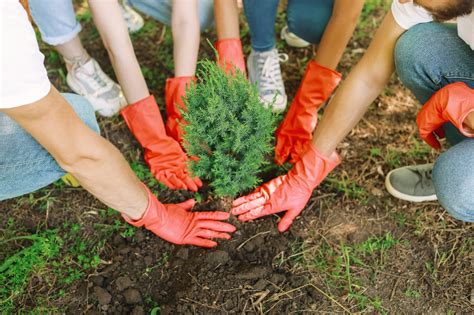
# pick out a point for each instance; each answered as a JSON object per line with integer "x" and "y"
{"x": 197, "y": 181}
{"x": 432, "y": 141}
{"x": 440, "y": 132}
{"x": 248, "y": 206}
{"x": 212, "y": 215}
{"x": 255, "y": 195}
{"x": 178, "y": 182}
{"x": 170, "y": 180}
{"x": 216, "y": 226}
{"x": 287, "y": 220}
{"x": 282, "y": 150}
{"x": 166, "y": 182}
{"x": 201, "y": 242}
{"x": 190, "y": 184}
{"x": 256, "y": 213}
{"x": 187, "y": 205}
{"x": 212, "y": 234}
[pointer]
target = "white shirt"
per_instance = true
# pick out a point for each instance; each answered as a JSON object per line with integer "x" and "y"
{"x": 23, "y": 77}
{"x": 409, "y": 14}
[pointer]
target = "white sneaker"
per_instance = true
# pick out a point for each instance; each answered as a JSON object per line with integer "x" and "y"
{"x": 133, "y": 20}
{"x": 292, "y": 39}
{"x": 88, "y": 79}
{"x": 264, "y": 70}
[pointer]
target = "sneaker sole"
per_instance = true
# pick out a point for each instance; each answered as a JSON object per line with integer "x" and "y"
{"x": 399, "y": 195}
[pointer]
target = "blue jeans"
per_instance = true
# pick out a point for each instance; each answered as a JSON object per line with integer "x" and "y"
{"x": 25, "y": 166}
{"x": 57, "y": 22}
{"x": 428, "y": 57}
{"x": 306, "y": 18}
{"x": 161, "y": 10}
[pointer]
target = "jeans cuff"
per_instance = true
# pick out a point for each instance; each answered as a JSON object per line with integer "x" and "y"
{"x": 59, "y": 40}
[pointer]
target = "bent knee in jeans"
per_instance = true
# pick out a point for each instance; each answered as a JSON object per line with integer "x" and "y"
{"x": 453, "y": 177}
{"x": 25, "y": 166}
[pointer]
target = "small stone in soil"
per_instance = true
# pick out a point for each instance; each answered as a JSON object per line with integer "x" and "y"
{"x": 103, "y": 296}
{"x": 182, "y": 253}
{"x": 260, "y": 285}
{"x": 256, "y": 272}
{"x": 277, "y": 278}
{"x": 218, "y": 257}
{"x": 97, "y": 280}
{"x": 123, "y": 283}
{"x": 132, "y": 296}
{"x": 138, "y": 310}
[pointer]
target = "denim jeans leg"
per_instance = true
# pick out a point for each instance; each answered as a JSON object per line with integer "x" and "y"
{"x": 161, "y": 11}
{"x": 308, "y": 19}
{"x": 56, "y": 20}
{"x": 261, "y": 17}
{"x": 453, "y": 178}
{"x": 428, "y": 57}
{"x": 25, "y": 166}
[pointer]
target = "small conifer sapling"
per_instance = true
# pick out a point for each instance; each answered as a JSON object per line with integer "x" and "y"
{"x": 228, "y": 130}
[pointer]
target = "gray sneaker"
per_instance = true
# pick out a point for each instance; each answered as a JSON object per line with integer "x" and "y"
{"x": 264, "y": 70}
{"x": 411, "y": 183}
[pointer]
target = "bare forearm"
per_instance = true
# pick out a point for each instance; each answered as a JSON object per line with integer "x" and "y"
{"x": 186, "y": 34}
{"x": 98, "y": 165}
{"x": 338, "y": 32}
{"x": 226, "y": 15}
{"x": 362, "y": 86}
{"x": 345, "y": 110}
{"x": 113, "y": 30}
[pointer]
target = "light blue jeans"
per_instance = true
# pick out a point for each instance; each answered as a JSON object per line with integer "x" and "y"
{"x": 25, "y": 166}
{"x": 57, "y": 22}
{"x": 428, "y": 57}
{"x": 306, "y": 18}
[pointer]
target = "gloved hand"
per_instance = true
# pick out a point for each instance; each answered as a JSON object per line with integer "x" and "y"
{"x": 230, "y": 54}
{"x": 175, "y": 90}
{"x": 176, "y": 224}
{"x": 453, "y": 103}
{"x": 164, "y": 156}
{"x": 289, "y": 192}
{"x": 296, "y": 130}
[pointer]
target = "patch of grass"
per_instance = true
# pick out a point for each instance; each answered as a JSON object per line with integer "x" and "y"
{"x": 412, "y": 293}
{"x": 393, "y": 158}
{"x": 419, "y": 150}
{"x": 16, "y": 271}
{"x": 347, "y": 187}
{"x": 341, "y": 266}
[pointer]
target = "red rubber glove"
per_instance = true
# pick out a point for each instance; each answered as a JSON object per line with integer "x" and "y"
{"x": 164, "y": 156}
{"x": 230, "y": 54}
{"x": 296, "y": 130}
{"x": 176, "y": 224}
{"x": 289, "y": 192}
{"x": 175, "y": 90}
{"x": 453, "y": 103}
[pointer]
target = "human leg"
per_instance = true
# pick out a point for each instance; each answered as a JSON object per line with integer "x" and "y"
{"x": 25, "y": 166}
{"x": 428, "y": 57}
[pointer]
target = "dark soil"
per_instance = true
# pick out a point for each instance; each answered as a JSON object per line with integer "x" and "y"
{"x": 260, "y": 270}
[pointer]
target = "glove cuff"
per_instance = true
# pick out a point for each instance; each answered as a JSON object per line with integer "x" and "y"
{"x": 148, "y": 102}
{"x": 318, "y": 84}
{"x": 151, "y": 212}
{"x": 314, "y": 166}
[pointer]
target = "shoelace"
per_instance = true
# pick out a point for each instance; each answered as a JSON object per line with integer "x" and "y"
{"x": 96, "y": 80}
{"x": 271, "y": 79}
{"x": 425, "y": 177}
